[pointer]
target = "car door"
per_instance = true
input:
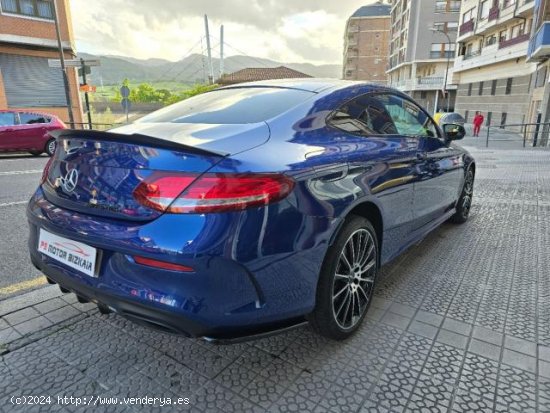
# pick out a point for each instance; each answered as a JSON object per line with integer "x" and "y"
{"x": 8, "y": 138}
{"x": 438, "y": 165}
{"x": 31, "y": 130}
{"x": 382, "y": 161}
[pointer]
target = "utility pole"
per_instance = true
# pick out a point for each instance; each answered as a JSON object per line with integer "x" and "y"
{"x": 63, "y": 68}
{"x": 211, "y": 69}
{"x": 86, "y": 97}
{"x": 448, "y": 52}
{"x": 221, "y": 51}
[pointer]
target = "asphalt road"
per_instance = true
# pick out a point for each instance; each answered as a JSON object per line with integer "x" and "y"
{"x": 19, "y": 176}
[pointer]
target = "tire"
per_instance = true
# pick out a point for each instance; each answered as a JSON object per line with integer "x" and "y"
{"x": 36, "y": 153}
{"x": 337, "y": 290}
{"x": 50, "y": 147}
{"x": 464, "y": 203}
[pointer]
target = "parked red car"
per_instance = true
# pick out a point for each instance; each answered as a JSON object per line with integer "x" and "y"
{"x": 28, "y": 131}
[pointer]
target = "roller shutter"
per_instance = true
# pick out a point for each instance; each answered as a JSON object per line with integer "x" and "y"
{"x": 29, "y": 81}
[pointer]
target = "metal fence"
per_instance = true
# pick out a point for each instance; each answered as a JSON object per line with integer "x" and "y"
{"x": 528, "y": 134}
{"x": 96, "y": 126}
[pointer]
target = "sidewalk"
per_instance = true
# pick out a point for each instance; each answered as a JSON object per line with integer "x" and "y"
{"x": 460, "y": 323}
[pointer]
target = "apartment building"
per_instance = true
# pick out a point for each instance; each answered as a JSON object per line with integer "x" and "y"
{"x": 538, "y": 53}
{"x": 491, "y": 66}
{"x": 366, "y": 44}
{"x": 422, "y": 48}
{"x": 27, "y": 40}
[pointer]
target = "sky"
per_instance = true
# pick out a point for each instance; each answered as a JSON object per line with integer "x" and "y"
{"x": 292, "y": 31}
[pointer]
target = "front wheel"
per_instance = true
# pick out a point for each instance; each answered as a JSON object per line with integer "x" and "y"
{"x": 50, "y": 147}
{"x": 347, "y": 279}
{"x": 464, "y": 203}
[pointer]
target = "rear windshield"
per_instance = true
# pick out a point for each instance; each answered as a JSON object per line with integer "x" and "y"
{"x": 231, "y": 106}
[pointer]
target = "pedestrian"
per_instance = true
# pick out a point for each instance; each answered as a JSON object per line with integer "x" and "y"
{"x": 478, "y": 121}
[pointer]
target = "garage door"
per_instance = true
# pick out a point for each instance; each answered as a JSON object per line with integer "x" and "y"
{"x": 28, "y": 81}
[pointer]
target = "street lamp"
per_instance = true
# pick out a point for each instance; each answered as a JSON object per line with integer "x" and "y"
{"x": 448, "y": 96}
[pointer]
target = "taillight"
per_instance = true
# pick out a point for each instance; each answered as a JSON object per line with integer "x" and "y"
{"x": 46, "y": 170}
{"x": 190, "y": 193}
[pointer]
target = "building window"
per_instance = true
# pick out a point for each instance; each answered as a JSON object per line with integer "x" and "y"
{"x": 470, "y": 89}
{"x": 540, "y": 78}
{"x": 509, "y": 85}
{"x": 480, "y": 91}
{"x": 490, "y": 40}
{"x": 469, "y": 15}
{"x": 423, "y": 94}
{"x": 502, "y": 36}
{"x": 508, "y": 3}
{"x": 440, "y": 6}
{"x": 452, "y": 26}
{"x": 488, "y": 121}
{"x": 493, "y": 87}
{"x": 34, "y": 8}
{"x": 503, "y": 119}
{"x": 454, "y": 6}
{"x": 484, "y": 9}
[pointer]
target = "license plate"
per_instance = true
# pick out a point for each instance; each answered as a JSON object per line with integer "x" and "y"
{"x": 74, "y": 254}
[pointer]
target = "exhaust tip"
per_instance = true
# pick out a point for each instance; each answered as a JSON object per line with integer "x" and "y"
{"x": 103, "y": 309}
{"x": 82, "y": 300}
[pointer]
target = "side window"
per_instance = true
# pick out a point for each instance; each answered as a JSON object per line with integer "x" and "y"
{"x": 383, "y": 114}
{"x": 407, "y": 117}
{"x": 365, "y": 115}
{"x": 32, "y": 118}
{"x": 7, "y": 119}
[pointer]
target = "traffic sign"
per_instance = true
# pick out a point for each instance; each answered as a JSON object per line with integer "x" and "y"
{"x": 126, "y": 104}
{"x": 74, "y": 62}
{"x": 124, "y": 91}
{"x": 88, "y": 88}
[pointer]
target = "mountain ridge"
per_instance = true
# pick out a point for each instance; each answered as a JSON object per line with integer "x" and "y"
{"x": 191, "y": 69}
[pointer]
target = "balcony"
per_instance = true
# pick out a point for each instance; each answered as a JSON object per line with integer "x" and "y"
{"x": 494, "y": 12}
{"x": 424, "y": 83}
{"x": 472, "y": 54}
{"x": 513, "y": 41}
{"x": 488, "y": 55}
{"x": 539, "y": 46}
{"x": 466, "y": 27}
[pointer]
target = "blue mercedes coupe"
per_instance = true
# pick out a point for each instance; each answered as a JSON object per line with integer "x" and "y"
{"x": 248, "y": 209}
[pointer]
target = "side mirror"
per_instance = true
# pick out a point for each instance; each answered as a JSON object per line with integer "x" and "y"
{"x": 453, "y": 132}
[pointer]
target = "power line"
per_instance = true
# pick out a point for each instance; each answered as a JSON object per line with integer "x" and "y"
{"x": 175, "y": 63}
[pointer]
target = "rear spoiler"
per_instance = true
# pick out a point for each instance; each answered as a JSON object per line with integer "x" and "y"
{"x": 138, "y": 139}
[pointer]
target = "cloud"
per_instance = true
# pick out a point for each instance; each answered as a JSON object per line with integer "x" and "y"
{"x": 285, "y": 30}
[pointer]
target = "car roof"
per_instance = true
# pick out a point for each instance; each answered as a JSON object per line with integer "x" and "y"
{"x": 36, "y": 112}
{"x": 310, "y": 84}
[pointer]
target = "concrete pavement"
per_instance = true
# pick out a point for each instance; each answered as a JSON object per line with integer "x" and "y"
{"x": 461, "y": 322}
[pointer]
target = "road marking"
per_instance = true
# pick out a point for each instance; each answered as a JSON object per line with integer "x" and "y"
{"x": 24, "y": 285}
{"x": 30, "y": 171}
{"x": 13, "y": 203}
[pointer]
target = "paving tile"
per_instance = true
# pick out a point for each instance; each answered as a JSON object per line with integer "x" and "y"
{"x": 521, "y": 346}
{"x": 404, "y": 310}
{"x": 457, "y": 326}
{"x": 34, "y": 325}
{"x": 429, "y": 318}
{"x": 519, "y": 360}
{"x": 396, "y": 320}
{"x": 21, "y": 316}
{"x": 3, "y": 324}
{"x": 8, "y": 335}
{"x": 485, "y": 334}
{"x": 544, "y": 352}
{"x": 62, "y": 314}
{"x": 422, "y": 329}
{"x": 50, "y": 305}
{"x": 485, "y": 349}
{"x": 381, "y": 303}
{"x": 544, "y": 368}
{"x": 453, "y": 339}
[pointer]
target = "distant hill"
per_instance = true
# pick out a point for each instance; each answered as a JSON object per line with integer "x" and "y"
{"x": 192, "y": 69}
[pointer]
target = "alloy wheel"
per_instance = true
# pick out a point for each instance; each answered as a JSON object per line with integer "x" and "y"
{"x": 354, "y": 278}
{"x": 468, "y": 193}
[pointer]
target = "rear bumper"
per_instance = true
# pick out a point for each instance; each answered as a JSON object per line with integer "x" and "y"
{"x": 232, "y": 292}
